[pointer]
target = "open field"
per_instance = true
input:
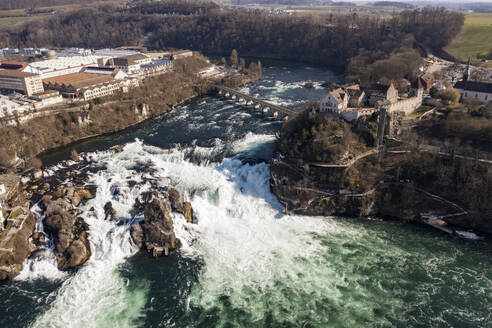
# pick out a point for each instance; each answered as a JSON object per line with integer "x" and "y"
{"x": 475, "y": 39}
{"x": 19, "y": 16}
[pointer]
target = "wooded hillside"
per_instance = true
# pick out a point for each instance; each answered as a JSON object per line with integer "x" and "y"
{"x": 354, "y": 42}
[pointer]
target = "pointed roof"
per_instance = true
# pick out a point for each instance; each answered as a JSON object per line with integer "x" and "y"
{"x": 338, "y": 94}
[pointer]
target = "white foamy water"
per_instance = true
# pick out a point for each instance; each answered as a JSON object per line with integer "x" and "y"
{"x": 240, "y": 231}
{"x": 255, "y": 259}
{"x": 42, "y": 266}
{"x": 97, "y": 295}
{"x": 251, "y": 141}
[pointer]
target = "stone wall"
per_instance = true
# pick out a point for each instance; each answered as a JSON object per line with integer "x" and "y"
{"x": 407, "y": 105}
{"x": 355, "y": 113}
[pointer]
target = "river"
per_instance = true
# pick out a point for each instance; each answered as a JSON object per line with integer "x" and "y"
{"x": 245, "y": 264}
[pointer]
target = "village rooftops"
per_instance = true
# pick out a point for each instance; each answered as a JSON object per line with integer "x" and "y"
{"x": 485, "y": 87}
{"x": 338, "y": 94}
{"x": 12, "y": 73}
{"x": 99, "y": 69}
{"x": 79, "y": 80}
{"x": 427, "y": 79}
{"x": 64, "y": 63}
{"x": 352, "y": 92}
{"x": 379, "y": 87}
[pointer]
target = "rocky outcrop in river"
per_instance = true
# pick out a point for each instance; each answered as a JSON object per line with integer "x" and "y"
{"x": 68, "y": 231}
{"x": 156, "y": 232}
{"x": 326, "y": 166}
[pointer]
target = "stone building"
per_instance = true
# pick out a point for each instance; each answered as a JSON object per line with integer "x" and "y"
{"x": 381, "y": 92}
{"x": 426, "y": 81}
{"x": 352, "y": 103}
{"x": 85, "y": 86}
{"x": 481, "y": 91}
{"x": 335, "y": 101}
{"x": 26, "y": 83}
{"x": 131, "y": 64}
{"x": 357, "y": 97}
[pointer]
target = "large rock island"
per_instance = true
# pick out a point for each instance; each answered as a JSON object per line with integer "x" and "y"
{"x": 326, "y": 166}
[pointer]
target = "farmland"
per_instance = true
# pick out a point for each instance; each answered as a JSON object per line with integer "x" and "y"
{"x": 474, "y": 40}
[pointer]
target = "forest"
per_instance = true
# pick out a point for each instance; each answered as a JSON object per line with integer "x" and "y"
{"x": 367, "y": 47}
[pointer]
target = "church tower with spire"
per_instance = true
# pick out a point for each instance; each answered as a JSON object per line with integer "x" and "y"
{"x": 466, "y": 76}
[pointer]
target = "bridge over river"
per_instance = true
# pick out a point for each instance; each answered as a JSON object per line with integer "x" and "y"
{"x": 256, "y": 103}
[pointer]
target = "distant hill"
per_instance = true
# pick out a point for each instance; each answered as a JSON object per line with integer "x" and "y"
{"x": 343, "y": 3}
{"x": 479, "y": 7}
{"x": 397, "y": 4}
{"x": 275, "y": 2}
{"x": 28, "y": 4}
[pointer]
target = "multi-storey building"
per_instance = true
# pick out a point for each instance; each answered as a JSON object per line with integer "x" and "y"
{"x": 27, "y": 83}
{"x": 131, "y": 64}
{"x": 87, "y": 86}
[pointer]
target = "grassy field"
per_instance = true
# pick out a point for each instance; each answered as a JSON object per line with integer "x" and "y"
{"x": 19, "y": 16}
{"x": 475, "y": 38}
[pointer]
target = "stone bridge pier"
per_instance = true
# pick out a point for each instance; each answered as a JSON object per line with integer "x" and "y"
{"x": 266, "y": 108}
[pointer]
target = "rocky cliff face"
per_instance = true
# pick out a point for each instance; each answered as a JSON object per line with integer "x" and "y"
{"x": 156, "y": 232}
{"x": 68, "y": 231}
{"x": 327, "y": 166}
{"x": 401, "y": 199}
{"x": 58, "y": 205}
{"x": 16, "y": 227}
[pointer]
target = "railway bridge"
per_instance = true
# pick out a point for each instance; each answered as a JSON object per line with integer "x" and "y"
{"x": 257, "y": 104}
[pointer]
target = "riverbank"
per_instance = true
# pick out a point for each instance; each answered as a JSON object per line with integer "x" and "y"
{"x": 158, "y": 95}
{"x": 38, "y": 210}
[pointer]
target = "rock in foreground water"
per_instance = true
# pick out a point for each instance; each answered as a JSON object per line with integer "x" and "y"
{"x": 69, "y": 233}
{"x": 156, "y": 232}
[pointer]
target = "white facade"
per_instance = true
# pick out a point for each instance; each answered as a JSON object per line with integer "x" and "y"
{"x": 483, "y": 97}
{"x": 130, "y": 69}
{"x": 107, "y": 89}
{"x": 332, "y": 103}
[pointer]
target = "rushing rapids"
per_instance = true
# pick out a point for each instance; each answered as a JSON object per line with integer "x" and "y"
{"x": 245, "y": 263}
